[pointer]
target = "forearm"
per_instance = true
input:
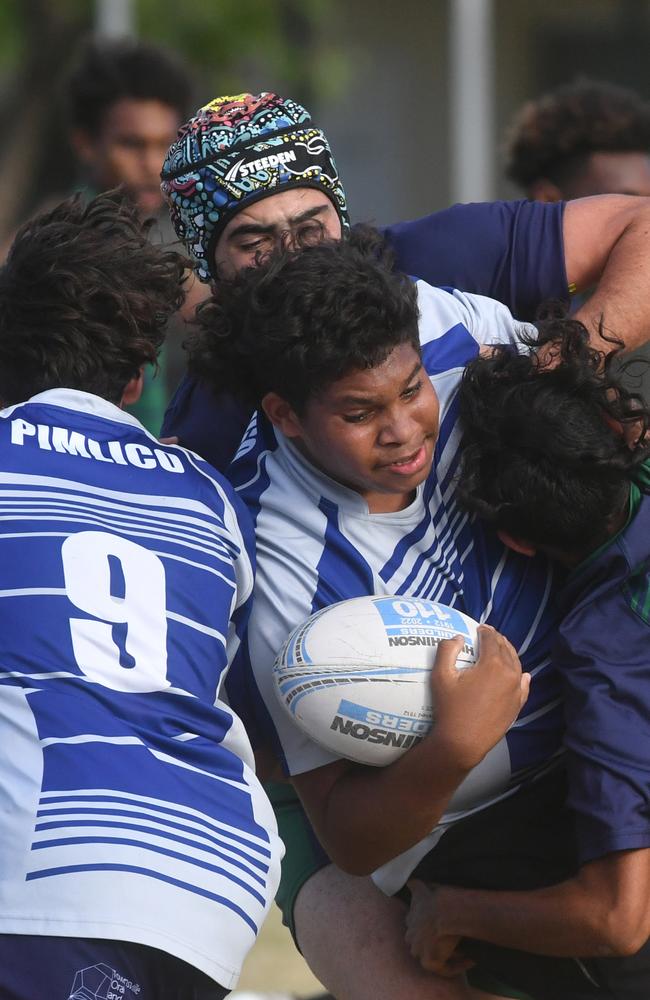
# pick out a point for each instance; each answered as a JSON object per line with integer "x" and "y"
{"x": 622, "y": 270}
{"x": 553, "y": 921}
{"x": 603, "y": 911}
{"x": 372, "y": 815}
{"x": 365, "y": 816}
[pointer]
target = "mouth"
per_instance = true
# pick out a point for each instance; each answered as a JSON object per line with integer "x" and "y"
{"x": 409, "y": 464}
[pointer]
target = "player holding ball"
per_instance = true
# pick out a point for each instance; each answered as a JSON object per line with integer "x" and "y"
{"x": 349, "y": 469}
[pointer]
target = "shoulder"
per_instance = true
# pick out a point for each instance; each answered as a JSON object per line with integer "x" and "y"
{"x": 464, "y": 232}
{"x": 513, "y": 250}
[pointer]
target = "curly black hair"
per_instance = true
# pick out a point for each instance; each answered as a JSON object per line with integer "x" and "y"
{"x": 301, "y": 320}
{"x": 84, "y": 300}
{"x": 545, "y": 456}
{"x": 551, "y": 137}
{"x": 108, "y": 70}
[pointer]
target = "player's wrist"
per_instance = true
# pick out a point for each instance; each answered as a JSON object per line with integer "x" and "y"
{"x": 454, "y": 910}
{"x": 456, "y": 749}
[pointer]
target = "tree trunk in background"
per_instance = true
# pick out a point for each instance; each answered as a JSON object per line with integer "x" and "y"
{"x": 35, "y": 160}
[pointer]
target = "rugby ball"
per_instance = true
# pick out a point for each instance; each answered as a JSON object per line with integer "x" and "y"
{"x": 355, "y": 675}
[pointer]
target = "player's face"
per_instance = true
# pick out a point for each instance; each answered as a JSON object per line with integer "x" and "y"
{"x": 374, "y": 430}
{"x": 295, "y": 217}
{"x": 130, "y": 149}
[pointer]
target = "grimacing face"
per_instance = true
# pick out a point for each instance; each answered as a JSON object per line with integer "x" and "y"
{"x": 374, "y": 430}
{"x": 299, "y": 215}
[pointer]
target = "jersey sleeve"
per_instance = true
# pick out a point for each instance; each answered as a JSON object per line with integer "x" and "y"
{"x": 454, "y": 325}
{"x": 210, "y": 425}
{"x": 512, "y": 251}
{"x": 602, "y": 657}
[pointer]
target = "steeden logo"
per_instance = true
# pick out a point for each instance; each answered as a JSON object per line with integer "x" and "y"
{"x": 245, "y": 168}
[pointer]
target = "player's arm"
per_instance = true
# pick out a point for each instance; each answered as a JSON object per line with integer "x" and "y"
{"x": 603, "y": 912}
{"x": 366, "y": 816}
{"x": 606, "y": 242}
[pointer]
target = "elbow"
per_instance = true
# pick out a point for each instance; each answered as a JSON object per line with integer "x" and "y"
{"x": 354, "y": 856}
{"x": 623, "y": 932}
{"x": 352, "y": 863}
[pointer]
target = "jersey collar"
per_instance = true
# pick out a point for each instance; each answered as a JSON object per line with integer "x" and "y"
{"x": 86, "y": 402}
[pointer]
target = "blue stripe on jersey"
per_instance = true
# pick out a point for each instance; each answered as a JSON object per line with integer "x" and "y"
{"x": 452, "y": 350}
{"x": 138, "y": 770}
{"x": 249, "y": 477}
{"x": 156, "y": 831}
{"x": 137, "y": 870}
{"x": 341, "y": 562}
{"x": 89, "y": 818}
{"x": 156, "y": 812}
{"x": 408, "y": 541}
{"x": 143, "y": 847}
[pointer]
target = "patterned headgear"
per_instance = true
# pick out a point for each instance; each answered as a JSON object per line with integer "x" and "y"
{"x": 237, "y": 150}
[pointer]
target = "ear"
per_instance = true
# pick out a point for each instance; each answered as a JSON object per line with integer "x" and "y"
{"x": 281, "y": 415}
{"x": 544, "y": 190}
{"x": 517, "y": 544}
{"x": 133, "y": 390}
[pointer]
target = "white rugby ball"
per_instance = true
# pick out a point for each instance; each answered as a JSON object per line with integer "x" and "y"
{"x": 355, "y": 676}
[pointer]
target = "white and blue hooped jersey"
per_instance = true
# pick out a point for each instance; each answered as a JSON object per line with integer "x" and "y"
{"x": 128, "y": 807}
{"x": 317, "y": 544}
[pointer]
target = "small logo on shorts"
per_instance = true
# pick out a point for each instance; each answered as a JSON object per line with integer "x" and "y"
{"x": 101, "y": 982}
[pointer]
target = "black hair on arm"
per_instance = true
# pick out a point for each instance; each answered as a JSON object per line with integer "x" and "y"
{"x": 303, "y": 319}
{"x": 84, "y": 300}
{"x": 544, "y": 454}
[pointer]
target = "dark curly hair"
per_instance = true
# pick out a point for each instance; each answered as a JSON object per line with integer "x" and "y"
{"x": 108, "y": 70}
{"x": 552, "y": 136}
{"x": 301, "y": 320}
{"x": 544, "y": 454}
{"x": 84, "y": 299}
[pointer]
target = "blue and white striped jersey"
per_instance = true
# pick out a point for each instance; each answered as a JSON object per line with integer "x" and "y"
{"x": 128, "y": 807}
{"x": 317, "y": 544}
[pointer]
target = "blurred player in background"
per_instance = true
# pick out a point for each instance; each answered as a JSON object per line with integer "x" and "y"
{"x": 125, "y": 100}
{"x": 138, "y": 847}
{"x": 586, "y": 137}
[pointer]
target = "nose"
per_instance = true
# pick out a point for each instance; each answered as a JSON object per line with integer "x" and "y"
{"x": 398, "y": 427}
{"x": 285, "y": 240}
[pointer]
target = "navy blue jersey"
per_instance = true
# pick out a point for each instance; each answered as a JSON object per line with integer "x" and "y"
{"x": 511, "y": 251}
{"x": 603, "y": 655}
{"x": 128, "y": 806}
